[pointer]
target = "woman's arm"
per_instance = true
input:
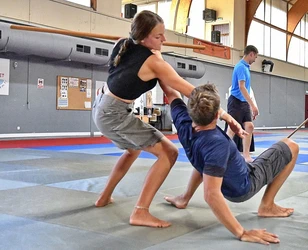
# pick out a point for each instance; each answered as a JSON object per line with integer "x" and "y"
{"x": 166, "y": 74}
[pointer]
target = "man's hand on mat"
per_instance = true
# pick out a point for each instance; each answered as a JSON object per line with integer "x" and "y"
{"x": 259, "y": 236}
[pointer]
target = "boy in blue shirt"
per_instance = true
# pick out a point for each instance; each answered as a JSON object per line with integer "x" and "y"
{"x": 222, "y": 169}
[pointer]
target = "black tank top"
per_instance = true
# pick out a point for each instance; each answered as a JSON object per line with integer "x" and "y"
{"x": 123, "y": 80}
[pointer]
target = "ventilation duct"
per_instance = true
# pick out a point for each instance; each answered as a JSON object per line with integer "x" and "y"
{"x": 186, "y": 67}
{"x": 54, "y": 46}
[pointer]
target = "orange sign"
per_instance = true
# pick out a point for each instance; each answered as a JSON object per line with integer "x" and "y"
{"x": 212, "y": 49}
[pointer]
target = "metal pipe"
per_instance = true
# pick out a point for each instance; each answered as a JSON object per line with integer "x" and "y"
{"x": 298, "y": 128}
{"x": 94, "y": 35}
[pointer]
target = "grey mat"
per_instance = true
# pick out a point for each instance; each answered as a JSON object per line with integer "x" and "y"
{"x": 47, "y": 202}
{"x": 292, "y": 232}
{"x": 25, "y": 234}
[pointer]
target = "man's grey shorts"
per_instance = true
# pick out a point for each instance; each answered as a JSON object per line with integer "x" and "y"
{"x": 265, "y": 168}
{"x": 116, "y": 120}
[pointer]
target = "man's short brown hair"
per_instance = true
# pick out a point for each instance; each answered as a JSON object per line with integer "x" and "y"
{"x": 203, "y": 104}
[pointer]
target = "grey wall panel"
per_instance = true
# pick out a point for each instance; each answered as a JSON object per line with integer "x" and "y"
{"x": 277, "y": 105}
{"x": 34, "y": 110}
{"x": 13, "y": 106}
{"x": 43, "y": 101}
{"x": 260, "y": 84}
{"x": 295, "y": 103}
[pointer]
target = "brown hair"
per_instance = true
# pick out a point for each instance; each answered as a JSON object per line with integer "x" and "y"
{"x": 203, "y": 104}
{"x": 143, "y": 23}
{"x": 250, "y": 48}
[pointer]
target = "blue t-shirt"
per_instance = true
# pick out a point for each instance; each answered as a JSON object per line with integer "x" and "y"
{"x": 241, "y": 72}
{"x": 212, "y": 152}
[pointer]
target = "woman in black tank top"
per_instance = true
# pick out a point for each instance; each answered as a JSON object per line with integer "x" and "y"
{"x": 135, "y": 67}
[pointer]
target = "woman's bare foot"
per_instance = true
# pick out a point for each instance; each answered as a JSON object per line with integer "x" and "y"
{"x": 142, "y": 217}
{"x": 274, "y": 211}
{"x": 101, "y": 202}
{"x": 177, "y": 201}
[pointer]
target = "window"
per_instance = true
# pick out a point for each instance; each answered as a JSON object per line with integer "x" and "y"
{"x": 150, "y": 7}
{"x": 87, "y": 3}
{"x": 164, "y": 11}
{"x": 256, "y": 36}
{"x": 279, "y": 14}
{"x": 306, "y": 54}
{"x": 296, "y": 54}
{"x": 260, "y": 11}
{"x": 196, "y": 22}
{"x": 192, "y": 67}
{"x": 83, "y": 48}
{"x": 278, "y": 44}
{"x": 224, "y": 33}
{"x": 181, "y": 65}
{"x": 268, "y": 32}
{"x": 81, "y": 2}
{"x": 101, "y": 52}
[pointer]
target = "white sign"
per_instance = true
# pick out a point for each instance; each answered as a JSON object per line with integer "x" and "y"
{"x": 40, "y": 83}
{"x": 4, "y": 76}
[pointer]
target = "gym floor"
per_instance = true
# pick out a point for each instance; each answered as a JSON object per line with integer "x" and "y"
{"x": 48, "y": 188}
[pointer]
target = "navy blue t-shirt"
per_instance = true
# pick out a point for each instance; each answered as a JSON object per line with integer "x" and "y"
{"x": 212, "y": 152}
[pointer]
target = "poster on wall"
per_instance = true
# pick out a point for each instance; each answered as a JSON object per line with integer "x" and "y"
{"x": 4, "y": 76}
{"x": 40, "y": 83}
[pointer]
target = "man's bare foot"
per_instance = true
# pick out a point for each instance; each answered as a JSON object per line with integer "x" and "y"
{"x": 274, "y": 211}
{"x": 142, "y": 217}
{"x": 248, "y": 158}
{"x": 177, "y": 201}
{"x": 101, "y": 202}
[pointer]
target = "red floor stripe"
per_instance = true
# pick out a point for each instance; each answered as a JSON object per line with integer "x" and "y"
{"x": 59, "y": 142}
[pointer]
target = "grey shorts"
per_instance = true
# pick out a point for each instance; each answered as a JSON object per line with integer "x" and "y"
{"x": 116, "y": 120}
{"x": 265, "y": 168}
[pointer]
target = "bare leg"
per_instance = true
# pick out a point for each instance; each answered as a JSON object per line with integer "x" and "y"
{"x": 267, "y": 207}
{"x": 167, "y": 154}
{"x": 182, "y": 200}
{"x": 247, "y": 141}
{"x": 117, "y": 173}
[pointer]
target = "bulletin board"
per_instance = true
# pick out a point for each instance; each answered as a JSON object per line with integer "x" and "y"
{"x": 74, "y": 93}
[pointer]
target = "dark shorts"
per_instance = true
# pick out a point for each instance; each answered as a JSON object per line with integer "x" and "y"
{"x": 116, "y": 120}
{"x": 239, "y": 110}
{"x": 265, "y": 168}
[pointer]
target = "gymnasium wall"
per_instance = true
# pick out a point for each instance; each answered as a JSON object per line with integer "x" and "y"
{"x": 33, "y": 109}
{"x": 280, "y": 95}
{"x": 281, "y": 101}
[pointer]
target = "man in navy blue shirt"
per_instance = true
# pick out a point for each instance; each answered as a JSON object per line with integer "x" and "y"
{"x": 222, "y": 169}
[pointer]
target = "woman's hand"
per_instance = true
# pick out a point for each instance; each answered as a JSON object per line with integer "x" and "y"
{"x": 157, "y": 53}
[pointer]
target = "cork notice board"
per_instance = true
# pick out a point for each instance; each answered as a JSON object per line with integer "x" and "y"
{"x": 74, "y": 93}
